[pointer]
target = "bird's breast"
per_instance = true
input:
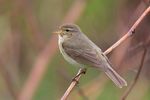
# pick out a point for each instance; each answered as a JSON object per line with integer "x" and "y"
{"x": 65, "y": 55}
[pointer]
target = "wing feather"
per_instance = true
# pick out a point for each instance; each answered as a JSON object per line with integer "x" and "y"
{"x": 83, "y": 56}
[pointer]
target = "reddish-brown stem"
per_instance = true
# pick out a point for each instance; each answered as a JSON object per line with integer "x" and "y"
{"x": 71, "y": 86}
{"x": 129, "y": 33}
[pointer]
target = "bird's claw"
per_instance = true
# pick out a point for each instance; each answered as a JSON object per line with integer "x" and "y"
{"x": 82, "y": 71}
{"x": 75, "y": 80}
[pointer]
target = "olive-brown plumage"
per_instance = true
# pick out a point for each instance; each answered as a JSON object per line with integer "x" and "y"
{"x": 79, "y": 50}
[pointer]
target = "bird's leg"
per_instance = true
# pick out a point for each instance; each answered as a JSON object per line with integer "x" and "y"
{"x": 82, "y": 71}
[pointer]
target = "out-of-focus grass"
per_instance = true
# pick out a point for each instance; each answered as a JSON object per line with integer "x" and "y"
{"x": 49, "y": 86}
{"x": 109, "y": 93}
{"x": 147, "y": 95}
{"x": 4, "y": 27}
{"x": 97, "y": 20}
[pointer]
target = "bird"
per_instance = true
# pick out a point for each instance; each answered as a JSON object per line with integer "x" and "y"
{"x": 80, "y": 51}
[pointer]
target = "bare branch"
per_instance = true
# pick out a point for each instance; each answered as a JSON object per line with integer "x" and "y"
{"x": 79, "y": 90}
{"x": 127, "y": 35}
{"x": 66, "y": 94}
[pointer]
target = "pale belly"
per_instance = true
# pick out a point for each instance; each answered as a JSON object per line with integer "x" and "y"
{"x": 66, "y": 57}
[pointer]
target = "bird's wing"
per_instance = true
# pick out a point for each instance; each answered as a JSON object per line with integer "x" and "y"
{"x": 86, "y": 56}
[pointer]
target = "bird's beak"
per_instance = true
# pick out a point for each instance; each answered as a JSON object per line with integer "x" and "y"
{"x": 58, "y": 32}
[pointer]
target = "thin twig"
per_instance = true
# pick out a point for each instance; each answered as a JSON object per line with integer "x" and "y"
{"x": 127, "y": 35}
{"x": 126, "y": 93}
{"x": 46, "y": 55}
{"x": 72, "y": 85}
{"x": 79, "y": 90}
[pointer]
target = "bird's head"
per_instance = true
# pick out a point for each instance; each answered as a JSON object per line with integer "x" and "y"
{"x": 68, "y": 30}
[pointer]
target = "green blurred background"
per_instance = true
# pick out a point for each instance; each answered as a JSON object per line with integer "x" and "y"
{"x": 26, "y": 31}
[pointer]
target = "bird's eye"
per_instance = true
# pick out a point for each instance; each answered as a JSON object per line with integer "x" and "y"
{"x": 67, "y": 30}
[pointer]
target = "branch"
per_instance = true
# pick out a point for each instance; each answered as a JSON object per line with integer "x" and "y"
{"x": 72, "y": 85}
{"x": 79, "y": 90}
{"x": 126, "y": 93}
{"x": 127, "y": 35}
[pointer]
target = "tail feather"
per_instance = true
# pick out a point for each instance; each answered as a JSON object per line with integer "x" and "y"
{"x": 115, "y": 77}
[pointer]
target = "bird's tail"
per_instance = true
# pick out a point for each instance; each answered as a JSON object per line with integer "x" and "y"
{"x": 115, "y": 77}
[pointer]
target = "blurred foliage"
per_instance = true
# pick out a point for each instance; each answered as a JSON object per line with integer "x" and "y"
{"x": 19, "y": 46}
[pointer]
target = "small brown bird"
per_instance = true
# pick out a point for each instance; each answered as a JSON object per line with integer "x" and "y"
{"x": 79, "y": 50}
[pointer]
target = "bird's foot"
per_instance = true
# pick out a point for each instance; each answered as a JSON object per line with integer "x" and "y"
{"x": 75, "y": 80}
{"x": 82, "y": 71}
